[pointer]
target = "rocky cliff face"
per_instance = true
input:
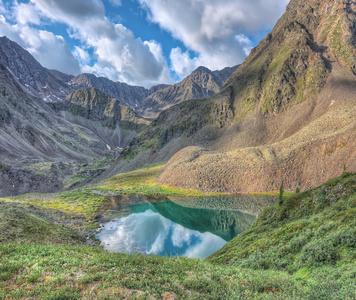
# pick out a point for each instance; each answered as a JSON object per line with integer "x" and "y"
{"x": 132, "y": 96}
{"x": 94, "y": 105}
{"x": 49, "y": 85}
{"x": 202, "y": 83}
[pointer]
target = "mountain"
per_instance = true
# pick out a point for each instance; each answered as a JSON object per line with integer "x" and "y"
{"x": 287, "y": 114}
{"x": 202, "y": 83}
{"x": 43, "y": 149}
{"x": 132, "y": 96}
{"x": 49, "y": 85}
{"x": 94, "y": 105}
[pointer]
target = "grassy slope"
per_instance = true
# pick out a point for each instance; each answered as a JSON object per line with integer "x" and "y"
{"x": 302, "y": 249}
{"x": 84, "y": 203}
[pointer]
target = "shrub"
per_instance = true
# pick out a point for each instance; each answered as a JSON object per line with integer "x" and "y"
{"x": 298, "y": 242}
{"x": 318, "y": 252}
{"x": 281, "y": 191}
{"x": 344, "y": 237}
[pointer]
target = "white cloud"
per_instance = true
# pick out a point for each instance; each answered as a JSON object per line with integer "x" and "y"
{"x": 82, "y": 55}
{"x": 27, "y": 14}
{"x": 115, "y": 46}
{"x": 144, "y": 233}
{"x": 216, "y": 29}
{"x": 209, "y": 244}
{"x": 181, "y": 236}
{"x": 244, "y": 43}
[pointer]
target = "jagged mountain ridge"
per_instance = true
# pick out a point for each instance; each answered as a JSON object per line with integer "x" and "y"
{"x": 202, "y": 83}
{"x": 49, "y": 85}
{"x": 54, "y": 86}
{"x": 286, "y": 115}
{"x": 132, "y": 96}
{"x": 34, "y": 137}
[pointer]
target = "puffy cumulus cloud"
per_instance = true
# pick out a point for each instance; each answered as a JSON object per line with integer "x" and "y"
{"x": 224, "y": 53}
{"x": 144, "y": 233}
{"x": 70, "y": 11}
{"x": 216, "y": 29}
{"x": 209, "y": 244}
{"x": 10, "y": 31}
{"x": 50, "y": 50}
{"x": 115, "y": 46}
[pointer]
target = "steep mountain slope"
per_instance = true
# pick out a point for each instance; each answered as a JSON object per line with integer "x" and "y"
{"x": 94, "y": 105}
{"x": 202, "y": 83}
{"x": 49, "y": 85}
{"x": 286, "y": 115}
{"x": 38, "y": 148}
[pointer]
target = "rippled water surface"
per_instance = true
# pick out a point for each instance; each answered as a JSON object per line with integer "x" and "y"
{"x": 193, "y": 228}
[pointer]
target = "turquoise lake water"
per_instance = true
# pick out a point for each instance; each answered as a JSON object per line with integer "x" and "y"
{"x": 192, "y": 228}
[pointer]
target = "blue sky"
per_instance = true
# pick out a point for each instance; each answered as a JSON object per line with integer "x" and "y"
{"x": 140, "y": 42}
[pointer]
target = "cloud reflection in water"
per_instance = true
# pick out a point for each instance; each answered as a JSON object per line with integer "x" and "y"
{"x": 151, "y": 233}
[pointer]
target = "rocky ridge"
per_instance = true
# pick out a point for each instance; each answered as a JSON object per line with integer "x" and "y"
{"x": 202, "y": 83}
{"x": 49, "y": 85}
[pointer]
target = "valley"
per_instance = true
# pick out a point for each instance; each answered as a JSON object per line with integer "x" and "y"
{"x": 238, "y": 183}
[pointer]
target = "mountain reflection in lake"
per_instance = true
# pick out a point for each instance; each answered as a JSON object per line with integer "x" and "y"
{"x": 134, "y": 224}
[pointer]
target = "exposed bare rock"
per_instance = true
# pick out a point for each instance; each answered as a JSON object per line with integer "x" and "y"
{"x": 49, "y": 85}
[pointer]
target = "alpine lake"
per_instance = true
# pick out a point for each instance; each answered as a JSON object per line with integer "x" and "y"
{"x": 194, "y": 228}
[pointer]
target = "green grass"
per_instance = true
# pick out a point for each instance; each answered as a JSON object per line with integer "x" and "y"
{"x": 75, "y": 272}
{"x": 144, "y": 182}
{"x": 303, "y": 248}
{"x": 85, "y": 202}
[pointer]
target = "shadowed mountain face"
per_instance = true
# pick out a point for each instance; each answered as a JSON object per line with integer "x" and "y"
{"x": 286, "y": 114}
{"x": 132, "y": 96}
{"x": 52, "y": 122}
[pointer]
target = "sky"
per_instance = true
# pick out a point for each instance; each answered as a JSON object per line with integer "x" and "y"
{"x": 139, "y": 42}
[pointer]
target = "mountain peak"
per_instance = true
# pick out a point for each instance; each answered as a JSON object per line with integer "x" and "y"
{"x": 201, "y": 83}
{"x": 294, "y": 61}
{"x": 36, "y": 80}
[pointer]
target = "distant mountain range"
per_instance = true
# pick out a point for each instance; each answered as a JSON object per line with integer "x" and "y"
{"x": 51, "y": 122}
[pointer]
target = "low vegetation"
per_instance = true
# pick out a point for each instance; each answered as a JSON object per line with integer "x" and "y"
{"x": 302, "y": 248}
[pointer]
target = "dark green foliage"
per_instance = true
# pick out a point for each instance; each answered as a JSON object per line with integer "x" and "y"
{"x": 297, "y": 190}
{"x": 318, "y": 252}
{"x": 280, "y": 197}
